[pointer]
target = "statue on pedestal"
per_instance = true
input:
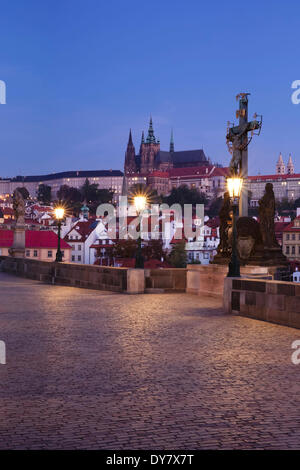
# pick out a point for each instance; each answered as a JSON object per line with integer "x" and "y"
{"x": 266, "y": 217}
{"x": 19, "y": 207}
{"x": 224, "y": 247}
{"x": 17, "y": 249}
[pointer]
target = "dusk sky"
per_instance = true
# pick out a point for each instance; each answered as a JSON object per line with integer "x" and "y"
{"x": 79, "y": 74}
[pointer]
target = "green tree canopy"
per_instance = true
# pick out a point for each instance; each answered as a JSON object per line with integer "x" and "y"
{"x": 44, "y": 193}
{"x": 184, "y": 195}
{"x": 69, "y": 194}
{"x": 178, "y": 257}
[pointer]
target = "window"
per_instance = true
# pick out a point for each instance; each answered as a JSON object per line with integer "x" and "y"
{"x": 79, "y": 247}
{"x": 35, "y": 253}
{"x": 79, "y": 258}
{"x": 293, "y": 236}
{"x": 73, "y": 258}
{"x": 287, "y": 250}
{"x": 287, "y": 236}
{"x": 50, "y": 254}
{"x": 73, "y": 247}
{"x": 62, "y": 253}
{"x": 27, "y": 252}
{"x": 293, "y": 250}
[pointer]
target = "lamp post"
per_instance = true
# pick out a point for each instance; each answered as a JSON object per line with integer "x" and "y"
{"x": 140, "y": 203}
{"x": 59, "y": 215}
{"x": 234, "y": 186}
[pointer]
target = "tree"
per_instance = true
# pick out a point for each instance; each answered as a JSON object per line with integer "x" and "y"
{"x": 178, "y": 256}
{"x": 24, "y": 191}
{"x": 89, "y": 191}
{"x": 184, "y": 195}
{"x": 153, "y": 249}
{"x": 122, "y": 249}
{"x": 215, "y": 207}
{"x": 69, "y": 194}
{"x": 94, "y": 196}
{"x": 44, "y": 193}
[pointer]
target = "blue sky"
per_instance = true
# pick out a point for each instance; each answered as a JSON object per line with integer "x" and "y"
{"x": 79, "y": 74}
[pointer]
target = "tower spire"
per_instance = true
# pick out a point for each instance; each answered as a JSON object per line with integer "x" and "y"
{"x": 280, "y": 166}
{"x": 151, "y": 136}
{"x": 172, "y": 142}
{"x": 130, "y": 138}
{"x": 290, "y": 166}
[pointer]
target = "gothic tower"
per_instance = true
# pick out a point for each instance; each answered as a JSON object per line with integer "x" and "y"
{"x": 290, "y": 166}
{"x": 280, "y": 166}
{"x": 149, "y": 150}
{"x": 172, "y": 142}
{"x": 130, "y": 165}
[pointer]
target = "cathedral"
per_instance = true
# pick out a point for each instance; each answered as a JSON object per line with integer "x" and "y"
{"x": 151, "y": 158}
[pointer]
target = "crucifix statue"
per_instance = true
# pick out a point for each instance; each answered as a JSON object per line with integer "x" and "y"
{"x": 238, "y": 140}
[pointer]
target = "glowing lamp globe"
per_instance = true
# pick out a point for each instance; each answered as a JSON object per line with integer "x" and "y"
{"x": 59, "y": 213}
{"x": 234, "y": 186}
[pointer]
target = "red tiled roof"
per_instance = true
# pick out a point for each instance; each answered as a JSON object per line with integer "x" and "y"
{"x": 273, "y": 177}
{"x": 291, "y": 227}
{"x": 33, "y": 239}
{"x": 38, "y": 208}
{"x": 194, "y": 171}
{"x": 161, "y": 174}
{"x": 217, "y": 171}
{"x": 8, "y": 211}
{"x": 280, "y": 226}
{"x": 83, "y": 228}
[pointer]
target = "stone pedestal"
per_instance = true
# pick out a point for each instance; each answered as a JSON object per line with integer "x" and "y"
{"x": 17, "y": 250}
{"x": 135, "y": 281}
{"x": 209, "y": 279}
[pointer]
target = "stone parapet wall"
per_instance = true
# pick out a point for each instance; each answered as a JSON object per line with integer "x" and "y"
{"x": 128, "y": 280}
{"x": 165, "y": 280}
{"x": 87, "y": 276}
{"x": 273, "y": 301}
{"x": 209, "y": 279}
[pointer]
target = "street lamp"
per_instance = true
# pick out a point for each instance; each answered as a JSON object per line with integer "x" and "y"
{"x": 234, "y": 186}
{"x": 140, "y": 202}
{"x": 59, "y": 213}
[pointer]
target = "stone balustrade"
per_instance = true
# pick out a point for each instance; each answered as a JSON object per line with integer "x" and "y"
{"x": 127, "y": 280}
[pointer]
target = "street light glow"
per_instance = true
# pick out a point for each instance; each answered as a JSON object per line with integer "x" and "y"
{"x": 59, "y": 213}
{"x": 234, "y": 186}
{"x": 140, "y": 202}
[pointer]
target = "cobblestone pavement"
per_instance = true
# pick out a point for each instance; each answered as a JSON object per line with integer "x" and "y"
{"x": 89, "y": 369}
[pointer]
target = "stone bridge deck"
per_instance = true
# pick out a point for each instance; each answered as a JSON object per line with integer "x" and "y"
{"x": 90, "y": 369}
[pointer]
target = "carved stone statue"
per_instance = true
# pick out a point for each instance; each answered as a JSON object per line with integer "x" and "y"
{"x": 19, "y": 207}
{"x": 266, "y": 217}
{"x": 17, "y": 250}
{"x": 225, "y": 217}
{"x": 237, "y": 148}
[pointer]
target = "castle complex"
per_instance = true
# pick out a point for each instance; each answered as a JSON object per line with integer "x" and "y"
{"x": 150, "y": 158}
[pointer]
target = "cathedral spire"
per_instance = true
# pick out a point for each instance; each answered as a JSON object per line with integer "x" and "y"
{"x": 130, "y": 139}
{"x": 143, "y": 138}
{"x": 130, "y": 164}
{"x": 172, "y": 142}
{"x": 151, "y": 136}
